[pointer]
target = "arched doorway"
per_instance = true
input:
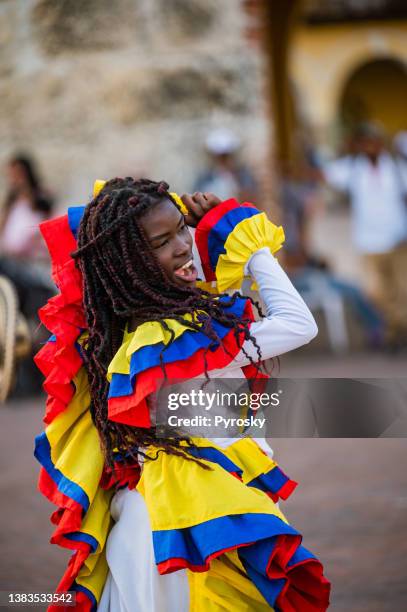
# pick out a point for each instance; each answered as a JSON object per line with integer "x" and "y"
{"x": 376, "y": 90}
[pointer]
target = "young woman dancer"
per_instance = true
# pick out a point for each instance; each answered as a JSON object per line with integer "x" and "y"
{"x": 196, "y": 525}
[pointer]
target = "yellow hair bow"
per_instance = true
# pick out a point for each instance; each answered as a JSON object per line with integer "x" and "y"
{"x": 99, "y": 184}
{"x": 97, "y": 187}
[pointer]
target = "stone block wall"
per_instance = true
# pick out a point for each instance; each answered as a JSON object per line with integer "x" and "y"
{"x": 95, "y": 88}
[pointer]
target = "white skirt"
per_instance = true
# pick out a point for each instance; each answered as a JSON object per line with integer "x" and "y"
{"x": 133, "y": 583}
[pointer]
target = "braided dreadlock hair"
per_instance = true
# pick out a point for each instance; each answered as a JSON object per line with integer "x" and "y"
{"x": 123, "y": 280}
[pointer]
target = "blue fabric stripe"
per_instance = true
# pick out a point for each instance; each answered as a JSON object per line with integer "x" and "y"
{"x": 300, "y": 555}
{"x": 120, "y": 385}
{"x": 80, "y": 536}
{"x": 216, "y": 456}
{"x": 198, "y": 542}
{"x": 75, "y": 214}
{"x": 181, "y": 349}
{"x": 42, "y": 453}
{"x": 255, "y": 560}
{"x": 269, "y": 588}
{"x": 271, "y": 481}
{"x": 221, "y": 230}
{"x": 88, "y": 593}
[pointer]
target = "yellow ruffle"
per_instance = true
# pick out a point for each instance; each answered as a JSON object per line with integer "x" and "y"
{"x": 180, "y": 494}
{"x": 97, "y": 523}
{"x": 72, "y": 429}
{"x": 247, "y": 237}
{"x": 247, "y": 454}
{"x": 225, "y": 581}
{"x": 193, "y": 494}
{"x": 147, "y": 334}
{"x": 76, "y": 452}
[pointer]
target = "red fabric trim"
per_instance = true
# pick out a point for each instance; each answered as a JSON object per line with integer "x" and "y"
{"x": 305, "y": 589}
{"x": 120, "y": 476}
{"x": 63, "y": 315}
{"x": 174, "y": 564}
{"x": 60, "y": 361}
{"x": 72, "y": 570}
{"x": 287, "y": 489}
{"x": 83, "y": 604}
{"x": 59, "y": 240}
{"x": 204, "y": 227}
{"x": 68, "y": 516}
{"x": 282, "y": 553}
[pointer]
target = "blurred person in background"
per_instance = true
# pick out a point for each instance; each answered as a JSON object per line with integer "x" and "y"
{"x": 225, "y": 175}
{"x": 400, "y": 145}
{"x": 23, "y": 257}
{"x": 376, "y": 184}
{"x": 21, "y": 251}
{"x": 301, "y": 200}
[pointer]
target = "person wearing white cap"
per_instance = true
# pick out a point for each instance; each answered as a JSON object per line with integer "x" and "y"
{"x": 226, "y": 176}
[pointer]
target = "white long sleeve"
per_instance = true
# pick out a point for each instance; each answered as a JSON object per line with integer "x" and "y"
{"x": 288, "y": 323}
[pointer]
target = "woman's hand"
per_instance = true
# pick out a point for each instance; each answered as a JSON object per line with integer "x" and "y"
{"x": 198, "y": 204}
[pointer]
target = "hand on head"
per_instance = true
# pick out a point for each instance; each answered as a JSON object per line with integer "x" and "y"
{"x": 198, "y": 204}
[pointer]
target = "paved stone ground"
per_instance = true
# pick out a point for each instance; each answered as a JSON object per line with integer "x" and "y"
{"x": 351, "y": 505}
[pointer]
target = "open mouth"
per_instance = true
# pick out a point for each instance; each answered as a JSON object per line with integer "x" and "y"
{"x": 187, "y": 273}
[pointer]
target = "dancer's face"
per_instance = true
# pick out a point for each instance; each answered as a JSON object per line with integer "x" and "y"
{"x": 171, "y": 242}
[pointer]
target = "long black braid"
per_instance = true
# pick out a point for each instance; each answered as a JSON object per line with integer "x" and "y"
{"x": 122, "y": 281}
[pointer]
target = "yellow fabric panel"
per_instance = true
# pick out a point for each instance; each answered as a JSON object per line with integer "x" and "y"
{"x": 97, "y": 521}
{"x": 71, "y": 430}
{"x": 191, "y": 497}
{"x": 76, "y": 452}
{"x": 120, "y": 363}
{"x": 247, "y": 455}
{"x": 93, "y": 574}
{"x": 225, "y": 586}
{"x": 247, "y": 237}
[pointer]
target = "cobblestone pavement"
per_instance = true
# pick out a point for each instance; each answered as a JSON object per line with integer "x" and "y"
{"x": 351, "y": 506}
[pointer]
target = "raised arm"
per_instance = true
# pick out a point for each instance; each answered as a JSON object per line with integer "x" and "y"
{"x": 288, "y": 323}
{"x": 235, "y": 241}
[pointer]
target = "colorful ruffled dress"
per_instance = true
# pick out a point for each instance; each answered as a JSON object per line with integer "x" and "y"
{"x": 182, "y": 538}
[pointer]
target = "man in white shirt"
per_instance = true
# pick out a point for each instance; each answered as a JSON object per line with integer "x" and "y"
{"x": 376, "y": 183}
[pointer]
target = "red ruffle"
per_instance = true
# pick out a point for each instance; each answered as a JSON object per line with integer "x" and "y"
{"x": 122, "y": 475}
{"x": 133, "y": 409}
{"x": 204, "y": 228}
{"x": 68, "y": 517}
{"x": 60, "y": 361}
{"x": 63, "y": 316}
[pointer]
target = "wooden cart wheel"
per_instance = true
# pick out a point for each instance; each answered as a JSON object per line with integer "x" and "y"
{"x": 8, "y": 327}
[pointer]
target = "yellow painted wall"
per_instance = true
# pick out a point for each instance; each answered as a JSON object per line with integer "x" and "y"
{"x": 324, "y": 57}
{"x": 378, "y": 91}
